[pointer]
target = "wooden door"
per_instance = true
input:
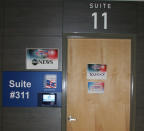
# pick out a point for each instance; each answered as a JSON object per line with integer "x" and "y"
{"x": 107, "y": 111}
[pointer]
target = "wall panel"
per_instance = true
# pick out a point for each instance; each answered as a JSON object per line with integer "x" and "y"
{"x": 14, "y": 55}
{"x": 33, "y": 17}
{"x": 32, "y": 119}
{"x": 139, "y": 68}
{"x": 30, "y": 24}
{"x": 0, "y": 102}
{"x": 78, "y": 17}
{"x": 1, "y": 45}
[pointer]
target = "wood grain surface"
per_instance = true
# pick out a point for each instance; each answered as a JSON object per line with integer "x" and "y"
{"x": 109, "y": 111}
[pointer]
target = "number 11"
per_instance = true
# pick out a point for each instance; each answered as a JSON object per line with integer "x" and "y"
{"x": 95, "y": 19}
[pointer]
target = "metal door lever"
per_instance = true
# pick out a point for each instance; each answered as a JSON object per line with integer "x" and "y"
{"x": 70, "y": 119}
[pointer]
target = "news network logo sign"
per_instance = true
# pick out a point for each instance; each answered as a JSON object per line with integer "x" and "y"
{"x": 42, "y": 58}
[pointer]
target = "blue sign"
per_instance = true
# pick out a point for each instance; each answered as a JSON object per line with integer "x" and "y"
{"x": 22, "y": 88}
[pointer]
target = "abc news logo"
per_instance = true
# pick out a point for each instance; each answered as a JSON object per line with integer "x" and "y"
{"x": 36, "y": 62}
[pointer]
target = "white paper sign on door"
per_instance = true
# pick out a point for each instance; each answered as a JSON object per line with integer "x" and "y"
{"x": 97, "y": 71}
{"x": 96, "y": 87}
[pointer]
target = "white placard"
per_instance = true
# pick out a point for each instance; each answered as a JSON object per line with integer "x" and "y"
{"x": 41, "y": 58}
{"x": 96, "y": 71}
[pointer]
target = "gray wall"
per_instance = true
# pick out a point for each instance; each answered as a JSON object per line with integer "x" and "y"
{"x": 41, "y": 24}
{"x": 140, "y": 69}
{"x": 30, "y": 24}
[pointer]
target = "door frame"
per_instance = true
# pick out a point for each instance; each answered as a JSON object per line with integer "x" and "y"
{"x": 133, "y": 71}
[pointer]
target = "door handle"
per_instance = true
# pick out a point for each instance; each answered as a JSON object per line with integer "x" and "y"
{"x": 70, "y": 119}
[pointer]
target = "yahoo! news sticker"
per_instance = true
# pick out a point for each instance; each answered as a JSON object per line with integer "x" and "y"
{"x": 97, "y": 71}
